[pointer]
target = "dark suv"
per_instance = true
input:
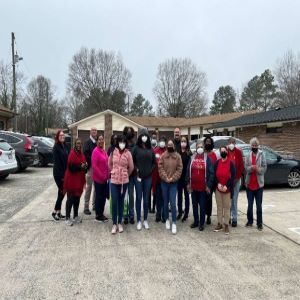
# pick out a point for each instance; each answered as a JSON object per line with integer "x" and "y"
{"x": 45, "y": 148}
{"x": 26, "y": 151}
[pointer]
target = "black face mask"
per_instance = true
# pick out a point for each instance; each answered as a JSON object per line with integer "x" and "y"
{"x": 223, "y": 154}
{"x": 254, "y": 150}
{"x": 170, "y": 149}
{"x": 208, "y": 147}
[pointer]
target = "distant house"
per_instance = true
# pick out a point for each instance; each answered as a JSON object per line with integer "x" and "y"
{"x": 278, "y": 128}
{"x": 108, "y": 122}
{"x": 5, "y": 116}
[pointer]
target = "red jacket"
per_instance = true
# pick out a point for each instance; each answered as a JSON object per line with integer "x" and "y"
{"x": 155, "y": 176}
{"x": 236, "y": 156}
{"x": 74, "y": 180}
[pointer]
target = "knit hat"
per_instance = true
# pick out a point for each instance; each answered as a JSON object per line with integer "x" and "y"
{"x": 144, "y": 131}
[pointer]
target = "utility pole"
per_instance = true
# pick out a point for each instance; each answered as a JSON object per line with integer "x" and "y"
{"x": 14, "y": 95}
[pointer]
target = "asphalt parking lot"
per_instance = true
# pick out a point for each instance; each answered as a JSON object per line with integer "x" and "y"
{"x": 40, "y": 259}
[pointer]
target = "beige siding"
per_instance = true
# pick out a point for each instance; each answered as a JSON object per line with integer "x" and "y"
{"x": 119, "y": 123}
{"x": 97, "y": 122}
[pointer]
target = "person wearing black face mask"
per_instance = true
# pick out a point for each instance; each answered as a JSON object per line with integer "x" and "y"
{"x": 208, "y": 148}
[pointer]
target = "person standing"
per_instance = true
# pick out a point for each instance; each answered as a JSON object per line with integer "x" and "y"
{"x": 100, "y": 173}
{"x": 128, "y": 132}
{"x": 152, "y": 199}
{"x": 74, "y": 181}
{"x": 170, "y": 169}
{"x": 236, "y": 156}
{"x": 88, "y": 148}
{"x": 156, "y": 182}
{"x": 121, "y": 165}
{"x": 177, "y": 139}
{"x": 256, "y": 167}
{"x": 60, "y": 160}
{"x": 200, "y": 180}
{"x": 144, "y": 163}
{"x": 224, "y": 176}
{"x": 113, "y": 143}
{"x": 209, "y": 149}
{"x": 185, "y": 154}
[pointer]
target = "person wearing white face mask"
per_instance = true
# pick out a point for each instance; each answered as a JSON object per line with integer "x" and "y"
{"x": 200, "y": 180}
{"x": 152, "y": 198}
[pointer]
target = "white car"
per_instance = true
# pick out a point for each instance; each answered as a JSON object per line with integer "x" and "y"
{"x": 8, "y": 162}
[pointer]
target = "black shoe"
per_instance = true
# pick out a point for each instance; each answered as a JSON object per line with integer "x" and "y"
{"x": 233, "y": 223}
{"x": 61, "y": 216}
{"x": 201, "y": 228}
{"x": 260, "y": 227}
{"x": 179, "y": 216}
{"x": 126, "y": 221}
{"x": 55, "y": 217}
{"x": 87, "y": 212}
{"x": 163, "y": 220}
{"x": 184, "y": 218}
{"x": 230, "y": 221}
{"x": 157, "y": 219}
{"x": 248, "y": 224}
{"x": 131, "y": 221}
{"x": 152, "y": 211}
{"x": 103, "y": 219}
{"x": 208, "y": 220}
{"x": 194, "y": 225}
{"x": 94, "y": 208}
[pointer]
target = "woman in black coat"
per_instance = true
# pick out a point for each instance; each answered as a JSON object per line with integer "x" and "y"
{"x": 60, "y": 158}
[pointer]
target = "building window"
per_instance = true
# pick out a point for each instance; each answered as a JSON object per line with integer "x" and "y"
{"x": 2, "y": 125}
{"x": 274, "y": 130}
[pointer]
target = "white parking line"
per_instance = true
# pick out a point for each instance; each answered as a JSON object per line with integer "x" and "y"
{"x": 295, "y": 229}
{"x": 266, "y": 206}
{"x": 281, "y": 192}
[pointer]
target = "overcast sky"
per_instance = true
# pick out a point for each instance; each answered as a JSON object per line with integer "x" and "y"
{"x": 230, "y": 40}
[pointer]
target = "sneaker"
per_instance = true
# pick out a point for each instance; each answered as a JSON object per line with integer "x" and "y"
{"x": 114, "y": 229}
{"x": 260, "y": 227}
{"x": 69, "y": 222}
{"x": 146, "y": 225}
{"x": 226, "y": 229}
{"x": 179, "y": 216}
{"x": 234, "y": 224}
{"x": 194, "y": 225}
{"x": 125, "y": 221}
{"x": 120, "y": 228}
{"x": 131, "y": 221}
{"x": 139, "y": 225}
{"x": 61, "y": 216}
{"x": 208, "y": 220}
{"x": 248, "y": 224}
{"x": 168, "y": 225}
{"x": 55, "y": 217}
{"x": 104, "y": 219}
{"x": 218, "y": 227}
{"x": 174, "y": 228}
{"x": 77, "y": 220}
{"x": 185, "y": 217}
{"x": 87, "y": 212}
{"x": 201, "y": 228}
{"x": 157, "y": 219}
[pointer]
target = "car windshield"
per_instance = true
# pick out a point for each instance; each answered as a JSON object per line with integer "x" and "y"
{"x": 49, "y": 143}
{"x": 5, "y": 146}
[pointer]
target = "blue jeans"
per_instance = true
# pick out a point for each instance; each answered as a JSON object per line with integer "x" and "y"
{"x": 169, "y": 191}
{"x": 258, "y": 195}
{"x": 234, "y": 200}
{"x": 159, "y": 202}
{"x": 182, "y": 187}
{"x": 131, "y": 185}
{"x": 117, "y": 195}
{"x": 100, "y": 199}
{"x": 143, "y": 188}
{"x": 199, "y": 199}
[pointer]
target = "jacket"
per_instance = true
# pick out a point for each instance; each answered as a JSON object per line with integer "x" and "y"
{"x": 186, "y": 159}
{"x": 100, "y": 165}
{"x": 88, "y": 149}
{"x": 121, "y": 166}
{"x": 170, "y": 165}
{"x": 209, "y": 171}
{"x": 60, "y": 159}
{"x": 261, "y": 163}
{"x": 144, "y": 161}
{"x": 155, "y": 175}
{"x": 236, "y": 156}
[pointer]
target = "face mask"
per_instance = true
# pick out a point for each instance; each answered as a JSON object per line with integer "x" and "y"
{"x": 200, "y": 150}
{"x": 162, "y": 144}
{"x": 122, "y": 146}
{"x": 170, "y": 149}
{"x": 223, "y": 154}
{"x": 231, "y": 146}
{"x": 144, "y": 138}
{"x": 183, "y": 144}
{"x": 254, "y": 150}
{"x": 208, "y": 147}
{"x": 154, "y": 143}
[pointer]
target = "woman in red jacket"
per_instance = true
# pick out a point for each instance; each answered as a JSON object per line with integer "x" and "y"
{"x": 74, "y": 181}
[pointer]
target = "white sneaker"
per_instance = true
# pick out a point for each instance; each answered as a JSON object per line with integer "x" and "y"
{"x": 139, "y": 225}
{"x": 77, "y": 220}
{"x": 69, "y": 222}
{"x": 120, "y": 228}
{"x": 168, "y": 226}
{"x": 146, "y": 225}
{"x": 114, "y": 229}
{"x": 174, "y": 228}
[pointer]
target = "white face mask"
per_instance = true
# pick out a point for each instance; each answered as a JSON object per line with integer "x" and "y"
{"x": 200, "y": 150}
{"x": 122, "y": 146}
{"x": 154, "y": 143}
{"x": 231, "y": 146}
{"x": 144, "y": 138}
{"x": 183, "y": 144}
{"x": 162, "y": 144}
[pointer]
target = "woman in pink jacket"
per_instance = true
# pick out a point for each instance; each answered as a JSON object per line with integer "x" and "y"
{"x": 100, "y": 174}
{"x": 121, "y": 166}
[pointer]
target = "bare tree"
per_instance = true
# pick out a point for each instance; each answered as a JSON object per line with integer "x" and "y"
{"x": 180, "y": 88}
{"x": 288, "y": 78}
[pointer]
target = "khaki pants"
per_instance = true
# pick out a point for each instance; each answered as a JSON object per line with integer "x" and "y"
{"x": 223, "y": 207}
{"x": 89, "y": 190}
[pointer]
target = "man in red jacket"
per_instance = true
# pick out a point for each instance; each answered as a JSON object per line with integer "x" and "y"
{"x": 236, "y": 156}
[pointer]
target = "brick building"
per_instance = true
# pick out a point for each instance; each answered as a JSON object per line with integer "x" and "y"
{"x": 278, "y": 129}
{"x": 5, "y": 116}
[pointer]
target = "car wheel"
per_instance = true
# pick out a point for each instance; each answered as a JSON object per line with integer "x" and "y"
{"x": 19, "y": 165}
{"x": 3, "y": 177}
{"x": 294, "y": 179}
{"x": 41, "y": 161}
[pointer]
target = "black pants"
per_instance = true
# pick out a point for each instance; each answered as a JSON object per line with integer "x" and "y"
{"x": 208, "y": 204}
{"x": 101, "y": 193}
{"x": 72, "y": 201}
{"x": 60, "y": 194}
{"x": 182, "y": 187}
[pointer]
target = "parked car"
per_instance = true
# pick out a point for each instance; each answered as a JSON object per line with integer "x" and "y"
{"x": 45, "y": 147}
{"x": 8, "y": 162}
{"x": 280, "y": 170}
{"x": 25, "y": 149}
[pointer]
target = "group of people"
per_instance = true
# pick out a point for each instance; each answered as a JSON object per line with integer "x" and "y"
{"x": 133, "y": 169}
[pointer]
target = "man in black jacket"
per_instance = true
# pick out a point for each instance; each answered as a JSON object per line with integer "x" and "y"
{"x": 88, "y": 148}
{"x": 177, "y": 139}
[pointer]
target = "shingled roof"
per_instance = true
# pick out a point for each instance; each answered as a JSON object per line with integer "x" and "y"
{"x": 291, "y": 113}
